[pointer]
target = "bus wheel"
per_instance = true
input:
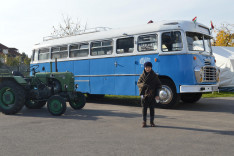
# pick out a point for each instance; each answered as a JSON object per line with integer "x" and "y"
{"x": 168, "y": 96}
{"x": 191, "y": 97}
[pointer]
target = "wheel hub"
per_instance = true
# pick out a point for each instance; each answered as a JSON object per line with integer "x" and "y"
{"x": 165, "y": 95}
{"x": 8, "y": 97}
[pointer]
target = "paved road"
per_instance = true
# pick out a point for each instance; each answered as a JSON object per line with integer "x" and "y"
{"x": 205, "y": 128}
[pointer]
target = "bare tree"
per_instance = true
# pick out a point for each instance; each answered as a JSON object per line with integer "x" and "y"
{"x": 68, "y": 27}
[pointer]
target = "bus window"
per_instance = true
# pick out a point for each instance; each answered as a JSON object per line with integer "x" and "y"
{"x": 44, "y": 54}
{"x": 79, "y": 50}
{"x": 207, "y": 43}
{"x": 147, "y": 43}
{"x": 59, "y": 52}
{"x": 125, "y": 45}
{"x": 171, "y": 41}
{"x": 102, "y": 48}
{"x": 195, "y": 41}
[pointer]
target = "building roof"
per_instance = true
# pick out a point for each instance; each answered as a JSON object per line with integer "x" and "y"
{"x": 11, "y": 51}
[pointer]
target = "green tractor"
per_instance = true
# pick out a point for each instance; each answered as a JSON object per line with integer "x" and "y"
{"x": 53, "y": 88}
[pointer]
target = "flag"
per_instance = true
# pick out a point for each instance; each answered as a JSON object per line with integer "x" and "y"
{"x": 150, "y": 22}
{"x": 211, "y": 25}
{"x": 194, "y": 19}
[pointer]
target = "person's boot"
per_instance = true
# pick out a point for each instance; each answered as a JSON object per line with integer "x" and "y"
{"x": 152, "y": 124}
{"x": 144, "y": 124}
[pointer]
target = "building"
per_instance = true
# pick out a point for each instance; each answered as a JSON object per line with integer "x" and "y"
{"x": 10, "y": 52}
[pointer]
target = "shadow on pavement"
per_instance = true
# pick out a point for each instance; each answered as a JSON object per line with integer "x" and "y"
{"x": 84, "y": 114}
{"x": 222, "y": 132}
{"x": 225, "y": 105}
{"x": 205, "y": 104}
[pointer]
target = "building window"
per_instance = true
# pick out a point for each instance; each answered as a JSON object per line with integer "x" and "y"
{"x": 125, "y": 45}
{"x": 102, "y": 47}
{"x": 147, "y": 43}
{"x": 79, "y": 50}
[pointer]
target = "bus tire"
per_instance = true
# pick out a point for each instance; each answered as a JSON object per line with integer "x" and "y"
{"x": 191, "y": 97}
{"x": 169, "y": 98}
{"x": 12, "y": 97}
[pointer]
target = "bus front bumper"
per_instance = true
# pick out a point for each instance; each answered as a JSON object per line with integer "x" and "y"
{"x": 198, "y": 88}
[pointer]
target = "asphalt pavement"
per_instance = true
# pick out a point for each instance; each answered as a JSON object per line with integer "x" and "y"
{"x": 107, "y": 129}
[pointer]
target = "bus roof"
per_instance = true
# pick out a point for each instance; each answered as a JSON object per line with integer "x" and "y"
{"x": 124, "y": 32}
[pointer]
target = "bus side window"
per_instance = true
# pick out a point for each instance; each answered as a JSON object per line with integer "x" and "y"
{"x": 44, "y": 54}
{"x": 125, "y": 45}
{"x": 59, "y": 52}
{"x": 171, "y": 41}
{"x": 79, "y": 50}
{"x": 147, "y": 43}
{"x": 102, "y": 47}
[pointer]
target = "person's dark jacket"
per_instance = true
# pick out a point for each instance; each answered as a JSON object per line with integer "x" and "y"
{"x": 149, "y": 84}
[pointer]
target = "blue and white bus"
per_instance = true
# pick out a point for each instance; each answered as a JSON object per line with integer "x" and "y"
{"x": 111, "y": 61}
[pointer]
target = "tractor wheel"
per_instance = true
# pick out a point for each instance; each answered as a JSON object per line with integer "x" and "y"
{"x": 191, "y": 97}
{"x": 80, "y": 101}
{"x": 56, "y": 105}
{"x": 168, "y": 96}
{"x": 30, "y": 104}
{"x": 12, "y": 97}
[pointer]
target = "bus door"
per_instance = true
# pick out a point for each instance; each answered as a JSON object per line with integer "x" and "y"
{"x": 125, "y": 67}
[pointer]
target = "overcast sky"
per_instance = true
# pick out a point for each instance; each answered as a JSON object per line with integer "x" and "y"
{"x": 24, "y": 23}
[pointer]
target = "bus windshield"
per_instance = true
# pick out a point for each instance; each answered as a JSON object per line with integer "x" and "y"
{"x": 198, "y": 42}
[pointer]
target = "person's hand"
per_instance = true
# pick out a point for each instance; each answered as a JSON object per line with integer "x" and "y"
{"x": 157, "y": 99}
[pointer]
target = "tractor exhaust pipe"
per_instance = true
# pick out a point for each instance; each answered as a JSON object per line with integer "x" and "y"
{"x": 56, "y": 68}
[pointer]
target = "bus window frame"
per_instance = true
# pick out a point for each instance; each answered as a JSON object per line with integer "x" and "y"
{"x": 49, "y": 52}
{"x": 102, "y": 55}
{"x": 134, "y": 45}
{"x": 157, "y": 43}
{"x": 64, "y": 45}
{"x": 79, "y": 49}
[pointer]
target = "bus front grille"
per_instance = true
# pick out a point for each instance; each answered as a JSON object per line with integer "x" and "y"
{"x": 209, "y": 74}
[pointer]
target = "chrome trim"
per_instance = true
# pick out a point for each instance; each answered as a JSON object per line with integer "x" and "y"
{"x": 198, "y": 88}
{"x": 82, "y": 80}
{"x": 107, "y": 75}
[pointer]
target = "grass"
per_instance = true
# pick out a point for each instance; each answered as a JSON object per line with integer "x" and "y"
{"x": 216, "y": 94}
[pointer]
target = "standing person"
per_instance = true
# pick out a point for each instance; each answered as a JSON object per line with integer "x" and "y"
{"x": 149, "y": 85}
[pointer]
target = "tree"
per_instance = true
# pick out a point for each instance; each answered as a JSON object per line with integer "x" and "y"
{"x": 225, "y": 35}
{"x": 68, "y": 27}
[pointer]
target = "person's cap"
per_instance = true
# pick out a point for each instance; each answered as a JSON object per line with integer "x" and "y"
{"x": 148, "y": 64}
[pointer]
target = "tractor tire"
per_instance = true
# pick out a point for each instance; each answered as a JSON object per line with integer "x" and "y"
{"x": 168, "y": 95}
{"x": 12, "y": 97}
{"x": 56, "y": 105}
{"x": 191, "y": 97}
{"x": 80, "y": 101}
{"x": 30, "y": 104}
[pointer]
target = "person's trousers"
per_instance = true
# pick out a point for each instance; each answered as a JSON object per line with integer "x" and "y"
{"x": 146, "y": 103}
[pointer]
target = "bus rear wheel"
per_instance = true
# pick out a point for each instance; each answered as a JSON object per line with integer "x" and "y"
{"x": 168, "y": 96}
{"x": 191, "y": 97}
